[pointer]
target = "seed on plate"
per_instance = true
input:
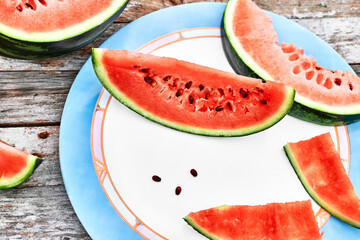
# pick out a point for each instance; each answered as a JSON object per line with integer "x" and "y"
{"x": 177, "y": 190}
{"x": 193, "y": 172}
{"x": 156, "y": 178}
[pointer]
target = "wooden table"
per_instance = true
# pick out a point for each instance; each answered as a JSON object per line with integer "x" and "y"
{"x": 33, "y": 93}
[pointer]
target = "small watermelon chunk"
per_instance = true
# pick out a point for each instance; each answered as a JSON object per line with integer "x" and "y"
{"x": 280, "y": 221}
{"x": 322, "y": 96}
{"x": 15, "y": 166}
{"x": 189, "y": 97}
{"x": 318, "y": 166}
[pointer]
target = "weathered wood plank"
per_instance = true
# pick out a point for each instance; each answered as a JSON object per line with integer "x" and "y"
{"x": 341, "y": 33}
{"x": 356, "y": 68}
{"x": 35, "y": 98}
{"x": 139, "y": 8}
{"x": 39, "y": 208}
{"x": 289, "y": 8}
{"x": 308, "y": 9}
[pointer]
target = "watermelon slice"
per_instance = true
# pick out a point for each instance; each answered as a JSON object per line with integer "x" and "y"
{"x": 322, "y": 96}
{"x": 278, "y": 221}
{"x": 189, "y": 97}
{"x": 47, "y": 28}
{"x": 15, "y": 166}
{"x": 319, "y": 168}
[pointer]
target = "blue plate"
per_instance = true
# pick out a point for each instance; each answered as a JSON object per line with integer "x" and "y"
{"x": 89, "y": 201}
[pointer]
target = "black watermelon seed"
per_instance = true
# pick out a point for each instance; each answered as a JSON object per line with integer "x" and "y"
{"x": 156, "y": 178}
{"x": 188, "y": 84}
{"x": 337, "y": 81}
{"x": 167, "y": 78}
{"x": 148, "y": 79}
{"x": 219, "y": 108}
{"x": 179, "y": 92}
{"x": 264, "y": 102}
{"x": 221, "y": 91}
{"x": 145, "y": 70}
{"x": 243, "y": 93}
{"x": 193, "y": 172}
{"x": 28, "y": 5}
{"x": 351, "y": 86}
{"x": 191, "y": 99}
{"x": 43, "y": 135}
{"x": 201, "y": 87}
{"x": 229, "y": 105}
{"x": 177, "y": 190}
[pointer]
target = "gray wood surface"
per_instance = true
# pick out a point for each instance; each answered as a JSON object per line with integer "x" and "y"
{"x": 33, "y": 93}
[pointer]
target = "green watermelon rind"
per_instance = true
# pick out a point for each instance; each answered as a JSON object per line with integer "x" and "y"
{"x": 102, "y": 76}
{"x": 19, "y": 178}
{"x": 322, "y": 118}
{"x": 311, "y": 111}
{"x": 67, "y": 32}
{"x": 200, "y": 229}
{"x": 237, "y": 47}
{"x": 313, "y": 194}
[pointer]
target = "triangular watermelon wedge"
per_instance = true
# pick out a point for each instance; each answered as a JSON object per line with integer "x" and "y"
{"x": 15, "y": 166}
{"x": 276, "y": 221}
{"x": 37, "y": 29}
{"x": 318, "y": 166}
{"x": 322, "y": 96}
{"x": 189, "y": 97}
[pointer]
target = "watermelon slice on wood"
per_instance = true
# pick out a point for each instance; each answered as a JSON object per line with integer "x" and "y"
{"x": 15, "y": 166}
{"x": 319, "y": 168}
{"x": 47, "y": 28}
{"x": 322, "y": 96}
{"x": 277, "y": 221}
{"x": 189, "y": 97}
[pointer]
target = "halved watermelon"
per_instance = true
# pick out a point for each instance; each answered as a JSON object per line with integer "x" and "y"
{"x": 322, "y": 96}
{"x": 189, "y": 97}
{"x": 15, "y": 166}
{"x": 319, "y": 168}
{"x": 46, "y": 28}
{"x": 277, "y": 221}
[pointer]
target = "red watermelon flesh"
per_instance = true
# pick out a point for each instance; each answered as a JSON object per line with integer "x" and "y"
{"x": 15, "y": 165}
{"x": 49, "y": 15}
{"x": 190, "y": 97}
{"x": 252, "y": 35}
{"x": 12, "y": 161}
{"x": 276, "y": 221}
{"x": 318, "y": 165}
